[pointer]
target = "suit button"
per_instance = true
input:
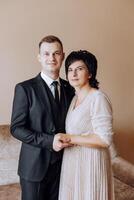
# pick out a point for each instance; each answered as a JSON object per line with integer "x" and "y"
{"x": 53, "y": 131}
{"x": 51, "y": 150}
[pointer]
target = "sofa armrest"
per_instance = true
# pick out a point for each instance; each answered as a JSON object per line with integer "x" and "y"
{"x": 123, "y": 170}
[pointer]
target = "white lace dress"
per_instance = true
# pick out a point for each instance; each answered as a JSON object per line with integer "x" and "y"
{"x": 86, "y": 172}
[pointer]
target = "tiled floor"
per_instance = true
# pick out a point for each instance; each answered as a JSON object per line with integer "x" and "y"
{"x": 10, "y": 192}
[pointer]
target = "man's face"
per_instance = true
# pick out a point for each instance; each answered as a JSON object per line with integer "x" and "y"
{"x": 51, "y": 57}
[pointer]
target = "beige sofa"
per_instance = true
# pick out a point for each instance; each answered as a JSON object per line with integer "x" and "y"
{"x": 123, "y": 171}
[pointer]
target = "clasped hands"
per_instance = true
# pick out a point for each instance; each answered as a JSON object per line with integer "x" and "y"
{"x": 61, "y": 141}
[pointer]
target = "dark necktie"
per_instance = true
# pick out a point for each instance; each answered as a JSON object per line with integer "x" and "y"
{"x": 56, "y": 92}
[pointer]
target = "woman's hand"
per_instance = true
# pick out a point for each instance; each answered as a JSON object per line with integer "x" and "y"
{"x": 91, "y": 140}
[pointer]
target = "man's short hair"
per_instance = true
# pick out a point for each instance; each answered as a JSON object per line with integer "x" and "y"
{"x": 50, "y": 39}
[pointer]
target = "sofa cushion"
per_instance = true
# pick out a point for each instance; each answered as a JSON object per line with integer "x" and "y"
{"x": 123, "y": 191}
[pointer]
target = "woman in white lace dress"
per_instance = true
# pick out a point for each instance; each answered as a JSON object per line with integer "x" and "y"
{"x": 86, "y": 169}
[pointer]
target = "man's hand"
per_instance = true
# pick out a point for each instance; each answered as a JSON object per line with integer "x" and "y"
{"x": 61, "y": 141}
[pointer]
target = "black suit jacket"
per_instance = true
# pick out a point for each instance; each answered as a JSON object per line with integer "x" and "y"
{"x": 32, "y": 123}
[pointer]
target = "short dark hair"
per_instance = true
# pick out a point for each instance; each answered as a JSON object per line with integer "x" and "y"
{"x": 90, "y": 61}
{"x": 50, "y": 39}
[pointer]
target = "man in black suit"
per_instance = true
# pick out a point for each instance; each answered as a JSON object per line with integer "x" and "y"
{"x": 38, "y": 119}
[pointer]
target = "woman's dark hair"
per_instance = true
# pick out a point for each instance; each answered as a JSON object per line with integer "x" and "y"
{"x": 90, "y": 61}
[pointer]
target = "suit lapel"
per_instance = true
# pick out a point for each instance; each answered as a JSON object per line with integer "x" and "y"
{"x": 43, "y": 90}
{"x": 68, "y": 93}
{"x": 64, "y": 93}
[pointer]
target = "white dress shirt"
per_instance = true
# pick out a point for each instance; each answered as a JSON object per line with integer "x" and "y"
{"x": 49, "y": 82}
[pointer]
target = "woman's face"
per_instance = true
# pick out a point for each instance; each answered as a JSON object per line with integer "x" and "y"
{"x": 78, "y": 74}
